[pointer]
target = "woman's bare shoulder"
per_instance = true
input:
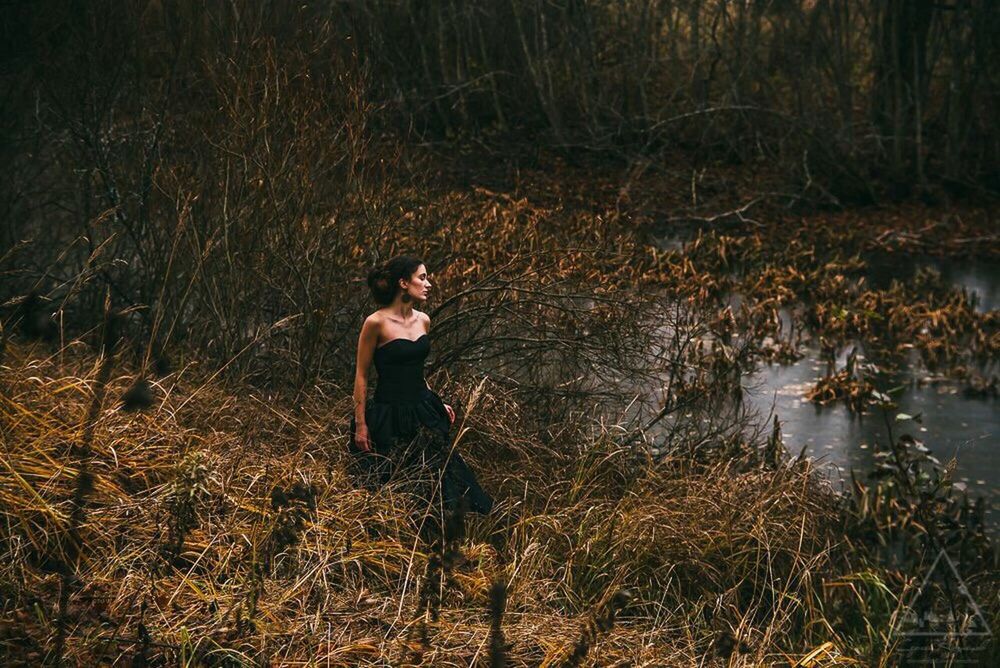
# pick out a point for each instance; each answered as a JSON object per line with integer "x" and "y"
{"x": 374, "y": 321}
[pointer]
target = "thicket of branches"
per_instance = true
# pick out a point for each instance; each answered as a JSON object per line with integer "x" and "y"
{"x": 227, "y": 179}
{"x": 838, "y": 94}
{"x": 228, "y": 170}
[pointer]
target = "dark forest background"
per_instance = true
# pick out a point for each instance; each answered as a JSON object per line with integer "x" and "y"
{"x": 228, "y": 164}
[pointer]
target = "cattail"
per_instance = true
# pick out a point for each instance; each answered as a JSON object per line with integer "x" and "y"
{"x": 3, "y": 342}
{"x": 140, "y": 660}
{"x": 278, "y": 498}
{"x": 304, "y": 493}
{"x": 724, "y": 645}
{"x": 446, "y": 554}
{"x": 36, "y": 323}
{"x": 114, "y": 325}
{"x": 84, "y": 480}
{"x": 294, "y": 506}
{"x": 430, "y": 594}
{"x": 454, "y": 533}
{"x": 597, "y": 625}
{"x": 429, "y": 602}
{"x": 138, "y": 397}
{"x": 161, "y": 364}
{"x": 775, "y": 446}
{"x": 498, "y": 646}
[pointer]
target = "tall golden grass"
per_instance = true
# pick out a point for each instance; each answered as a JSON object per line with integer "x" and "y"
{"x": 222, "y": 528}
{"x": 262, "y": 573}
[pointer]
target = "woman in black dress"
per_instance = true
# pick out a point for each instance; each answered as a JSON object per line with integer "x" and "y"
{"x": 405, "y": 412}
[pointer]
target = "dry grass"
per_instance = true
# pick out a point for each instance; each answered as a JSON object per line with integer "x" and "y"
{"x": 235, "y": 207}
{"x": 719, "y": 558}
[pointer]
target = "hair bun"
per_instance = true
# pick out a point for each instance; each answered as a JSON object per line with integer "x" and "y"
{"x": 383, "y": 277}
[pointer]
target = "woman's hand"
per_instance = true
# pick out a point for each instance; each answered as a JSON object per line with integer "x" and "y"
{"x": 451, "y": 413}
{"x": 361, "y": 438}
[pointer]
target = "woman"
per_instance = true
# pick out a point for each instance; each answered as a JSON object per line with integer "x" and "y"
{"x": 396, "y": 338}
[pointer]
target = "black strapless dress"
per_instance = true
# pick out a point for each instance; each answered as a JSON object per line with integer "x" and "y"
{"x": 404, "y": 408}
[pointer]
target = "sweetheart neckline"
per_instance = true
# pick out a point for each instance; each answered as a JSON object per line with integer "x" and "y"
{"x": 400, "y": 338}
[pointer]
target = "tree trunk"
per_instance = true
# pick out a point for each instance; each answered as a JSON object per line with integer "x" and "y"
{"x": 901, "y": 75}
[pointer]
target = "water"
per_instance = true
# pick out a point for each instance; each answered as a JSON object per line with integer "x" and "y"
{"x": 952, "y": 425}
{"x": 977, "y": 276}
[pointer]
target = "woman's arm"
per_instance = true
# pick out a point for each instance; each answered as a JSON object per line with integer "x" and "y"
{"x": 366, "y": 350}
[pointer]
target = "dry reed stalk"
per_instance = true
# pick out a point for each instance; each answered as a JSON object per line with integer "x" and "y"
{"x": 498, "y": 645}
{"x": 72, "y": 545}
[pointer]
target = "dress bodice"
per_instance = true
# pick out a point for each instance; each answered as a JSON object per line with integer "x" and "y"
{"x": 400, "y": 367}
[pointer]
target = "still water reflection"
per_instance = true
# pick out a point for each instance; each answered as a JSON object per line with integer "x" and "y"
{"x": 953, "y": 426}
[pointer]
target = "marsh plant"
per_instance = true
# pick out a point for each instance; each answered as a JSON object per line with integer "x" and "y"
{"x": 293, "y": 507}
{"x": 599, "y": 623}
{"x": 498, "y": 644}
{"x": 900, "y": 518}
{"x": 188, "y": 492}
{"x": 910, "y": 504}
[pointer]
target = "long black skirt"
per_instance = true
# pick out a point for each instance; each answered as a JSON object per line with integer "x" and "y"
{"x": 417, "y": 435}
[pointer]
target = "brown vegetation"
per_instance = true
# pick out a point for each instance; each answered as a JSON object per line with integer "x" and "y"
{"x": 222, "y": 182}
{"x": 340, "y": 581}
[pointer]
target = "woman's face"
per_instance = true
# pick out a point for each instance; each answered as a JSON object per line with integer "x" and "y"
{"x": 419, "y": 285}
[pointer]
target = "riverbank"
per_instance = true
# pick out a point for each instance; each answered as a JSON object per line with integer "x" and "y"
{"x": 909, "y": 287}
{"x": 220, "y": 527}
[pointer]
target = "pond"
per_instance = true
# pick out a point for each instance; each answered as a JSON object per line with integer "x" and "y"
{"x": 952, "y": 424}
{"x": 978, "y": 277}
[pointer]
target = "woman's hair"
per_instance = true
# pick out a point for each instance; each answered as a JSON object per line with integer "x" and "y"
{"x": 383, "y": 279}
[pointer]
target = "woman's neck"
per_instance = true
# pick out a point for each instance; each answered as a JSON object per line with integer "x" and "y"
{"x": 402, "y": 310}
